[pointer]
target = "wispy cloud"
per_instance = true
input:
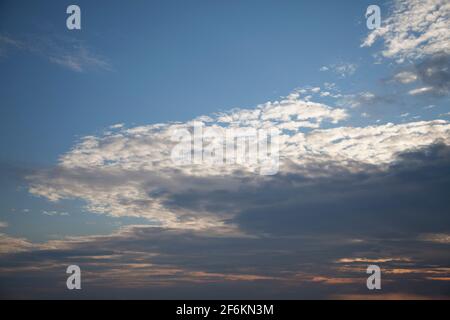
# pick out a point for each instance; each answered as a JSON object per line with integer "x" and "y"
{"x": 405, "y": 77}
{"x": 67, "y": 52}
{"x": 436, "y": 237}
{"x": 343, "y": 69}
{"x": 55, "y": 213}
{"x": 422, "y": 90}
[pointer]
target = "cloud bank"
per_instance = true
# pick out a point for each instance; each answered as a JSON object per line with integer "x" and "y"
{"x": 129, "y": 171}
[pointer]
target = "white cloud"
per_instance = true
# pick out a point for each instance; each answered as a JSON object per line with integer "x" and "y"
{"x": 343, "y": 69}
{"x": 405, "y": 77}
{"x": 3, "y": 224}
{"x": 414, "y": 29}
{"x": 129, "y": 172}
{"x": 421, "y": 90}
{"x": 55, "y": 213}
{"x": 117, "y": 126}
{"x": 373, "y": 145}
{"x": 79, "y": 59}
{"x": 357, "y": 100}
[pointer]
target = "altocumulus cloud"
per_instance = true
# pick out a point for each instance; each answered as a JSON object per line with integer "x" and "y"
{"x": 416, "y": 34}
{"x": 129, "y": 172}
{"x": 414, "y": 29}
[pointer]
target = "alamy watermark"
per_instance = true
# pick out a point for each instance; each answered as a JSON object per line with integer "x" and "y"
{"x": 374, "y": 280}
{"x": 73, "y": 22}
{"x": 74, "y": 280}
{"x": 373, "y": 16}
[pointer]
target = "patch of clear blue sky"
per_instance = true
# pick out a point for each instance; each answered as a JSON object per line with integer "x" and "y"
{"x": 170, "y": 61}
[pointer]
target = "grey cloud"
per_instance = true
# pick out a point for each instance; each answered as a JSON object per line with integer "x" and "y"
{"x": 435, "y": 73}
{"x": 377, "y": 192}
{"x": 148, "y": 262}
{"x": 430, "y": 76}
{"x": 408, "y": 198}
{"x": 367, "y": 99}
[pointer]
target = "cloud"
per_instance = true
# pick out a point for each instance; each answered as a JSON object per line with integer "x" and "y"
{"x": 432, "y": 74}
{"x": 344, "y": 196}
{"x": 291, "y": 108}
{"x": 437, "y": 238}
{"x": 130, "y": 172}
{"x": 405, "y": 77}
{"x": 67, "y": 52}
{"x": 371, "y": 261}
{"x": 145, "y": 261}
{"x": 364, "y": 98}
{"x": 3, "y": 224}
{"x": 55, "y": 213}
{"x": 414, "y": 29}
{"x": 422, "y": 90}
{"x": 290, "y": 235}
{"x": 6, "y": 42}
{"x": 13, "y": 245}
{"x": 79, "y": 59}
{"x": 342, "y": 69}
{"x": 405, "y": 199}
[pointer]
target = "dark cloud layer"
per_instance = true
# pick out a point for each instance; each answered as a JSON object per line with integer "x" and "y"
{"x": 431, "y": 76}
{"x": 411, "y": 196}
{"x": 304, "y": 238}
{"x": 435, "y": 72}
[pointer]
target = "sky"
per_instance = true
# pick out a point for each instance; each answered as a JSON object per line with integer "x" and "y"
{"x": 90, "y": 120}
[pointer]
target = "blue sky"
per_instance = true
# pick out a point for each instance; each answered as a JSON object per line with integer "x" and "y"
{"x": 163, "y": 62}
